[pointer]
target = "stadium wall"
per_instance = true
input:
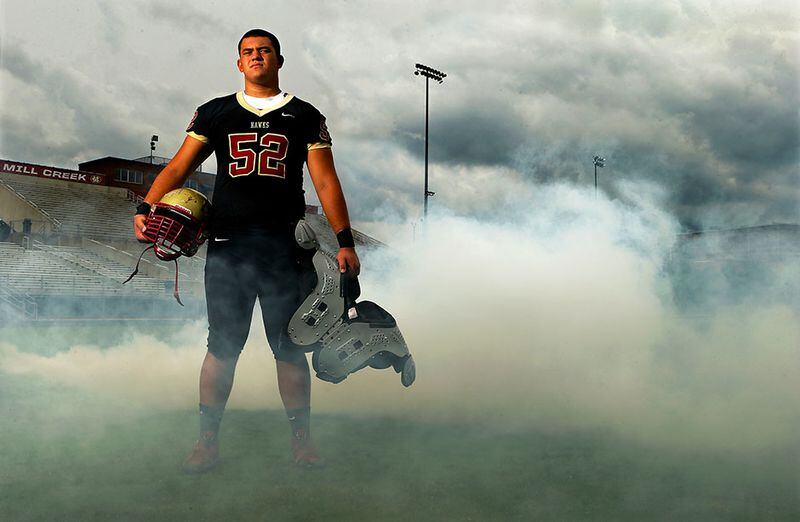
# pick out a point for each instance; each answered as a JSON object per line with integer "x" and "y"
{"x": 15, "y": 209}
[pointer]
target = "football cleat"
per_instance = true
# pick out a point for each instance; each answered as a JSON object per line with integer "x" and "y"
{"x": 303, "y": 451}
{"x": 204, "y": 455}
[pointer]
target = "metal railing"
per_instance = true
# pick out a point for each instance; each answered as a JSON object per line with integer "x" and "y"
{"x": 19, "y": 301}
{"x": 56, "y": 223}
{"x": 133, "y": 196}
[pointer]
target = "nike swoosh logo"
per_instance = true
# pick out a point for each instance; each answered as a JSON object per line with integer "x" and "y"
{"x": 287, "y": 115}
{"x": 221, "y": 239}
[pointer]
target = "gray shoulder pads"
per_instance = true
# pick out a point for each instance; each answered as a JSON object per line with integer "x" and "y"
{"x": 346, "y": 335}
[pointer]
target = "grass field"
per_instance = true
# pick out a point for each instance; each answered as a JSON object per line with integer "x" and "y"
{"x": 70, "y": 455}
{"x": 79, "y": 464}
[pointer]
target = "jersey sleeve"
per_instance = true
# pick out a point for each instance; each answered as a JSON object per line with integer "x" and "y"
{"x": 199, "y": 126}
{"x": 316, "y": 132}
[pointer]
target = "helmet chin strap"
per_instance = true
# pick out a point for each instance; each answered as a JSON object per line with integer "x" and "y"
{"x": 175, "y": 293}
{"x": 175, "y": 289}
{"x": 136, "y": 270}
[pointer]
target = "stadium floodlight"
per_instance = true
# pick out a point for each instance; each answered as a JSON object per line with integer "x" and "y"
{"x": 153, "y": 141}
{"x": 429, "y": 74}
{"x": 598, "y": 162}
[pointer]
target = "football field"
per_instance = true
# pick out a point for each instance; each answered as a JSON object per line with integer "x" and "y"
{"x": 71, "y": 465}
{"x": 72, "y": 455}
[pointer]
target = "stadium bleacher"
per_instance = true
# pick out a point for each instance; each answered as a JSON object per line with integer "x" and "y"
{"x": 103, "y": 268}
{"x": 75, "y": 265}
{"x": 105, "y": 213}
{"x": 81, "y": 210}
{"x": 67, "y": 271}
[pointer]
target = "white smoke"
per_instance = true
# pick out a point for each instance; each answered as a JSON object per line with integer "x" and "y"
{"x": 553, "y": 315}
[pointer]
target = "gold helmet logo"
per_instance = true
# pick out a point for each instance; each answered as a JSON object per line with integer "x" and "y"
{"x": 192, "y": 202}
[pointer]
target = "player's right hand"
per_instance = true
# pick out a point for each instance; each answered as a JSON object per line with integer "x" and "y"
{"x": 139, "y": 228}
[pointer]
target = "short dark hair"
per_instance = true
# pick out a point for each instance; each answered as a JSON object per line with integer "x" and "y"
{"x": 260, "y": 32}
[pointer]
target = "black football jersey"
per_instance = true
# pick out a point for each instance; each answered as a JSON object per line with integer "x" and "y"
{"x": 260, "y": 156}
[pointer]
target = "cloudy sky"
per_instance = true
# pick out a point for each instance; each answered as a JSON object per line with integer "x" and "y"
{"x": 699, "y": 98}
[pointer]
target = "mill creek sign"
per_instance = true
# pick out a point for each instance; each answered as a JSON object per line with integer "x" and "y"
{"x": 40, "y": 171}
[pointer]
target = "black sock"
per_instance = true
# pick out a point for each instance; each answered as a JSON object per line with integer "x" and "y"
{"x": 210, "y": 419}
{"x": 299, "y": 419}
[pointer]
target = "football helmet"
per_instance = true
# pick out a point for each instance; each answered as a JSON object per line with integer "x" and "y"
{"x": 176, "y": 226}
{"x": 344, "y": 335}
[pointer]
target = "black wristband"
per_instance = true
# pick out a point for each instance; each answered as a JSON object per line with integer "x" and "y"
{"x": 143, "y": 208}
{"x": 345, "y": 238}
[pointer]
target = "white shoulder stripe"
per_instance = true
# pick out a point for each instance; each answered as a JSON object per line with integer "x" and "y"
{"x": 198, "y": 137}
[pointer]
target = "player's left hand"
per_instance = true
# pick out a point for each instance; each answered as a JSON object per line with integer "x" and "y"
{"x": 348, "y": 261}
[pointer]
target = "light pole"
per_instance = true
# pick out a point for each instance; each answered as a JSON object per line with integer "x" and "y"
{"x": 428, "y": 73}
{"x": 598, "y": 162}
{"x": 153, "y": 141}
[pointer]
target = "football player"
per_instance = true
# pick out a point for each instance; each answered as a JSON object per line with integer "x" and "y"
{"x": 261, "y": 136}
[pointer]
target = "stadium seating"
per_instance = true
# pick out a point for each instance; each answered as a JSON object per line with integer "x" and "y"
{"x": 75, "y": 268}
{"x": 67, "y": 271}
{"x": 82, "y": 210}
{"x": 103, "y": 267}
{"x": 105, "y": 213}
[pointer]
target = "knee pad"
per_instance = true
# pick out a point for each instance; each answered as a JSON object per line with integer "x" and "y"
{"x": 345, "y": 336}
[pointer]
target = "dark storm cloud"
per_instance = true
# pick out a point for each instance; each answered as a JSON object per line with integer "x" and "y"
{"x": 762, "y": 136}
{"x": 20, "y": 139}
{"x": 701, "y": 101}
{"x": 749, "y": 115}
{"x": 61, "y": 117}
{"x": 698, "y": 97}
{"x": 479, "y": 135}
{"x": 86, "y": 126}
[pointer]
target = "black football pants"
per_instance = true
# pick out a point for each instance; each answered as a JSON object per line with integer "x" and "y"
{"x": 264, "y": 264}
